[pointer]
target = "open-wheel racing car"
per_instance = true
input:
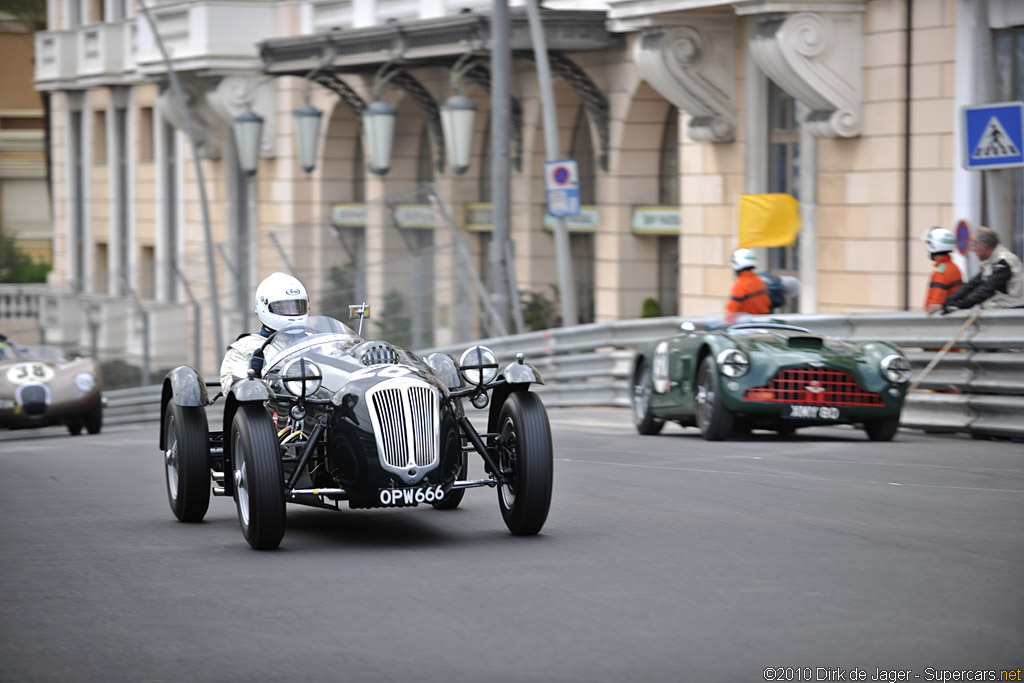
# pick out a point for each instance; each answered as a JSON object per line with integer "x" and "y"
{"x": 39, "y": 387}
{"x": 336, "y": 418}
{"x": 767, "y": 375}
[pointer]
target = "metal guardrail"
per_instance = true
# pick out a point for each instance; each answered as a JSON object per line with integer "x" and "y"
{"x": 977, "y": 389}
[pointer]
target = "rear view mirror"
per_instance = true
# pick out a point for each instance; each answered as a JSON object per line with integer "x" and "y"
{"x": 359, "y": 311}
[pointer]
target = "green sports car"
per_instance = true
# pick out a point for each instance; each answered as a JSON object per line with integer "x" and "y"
{"x": 767, "y": 376}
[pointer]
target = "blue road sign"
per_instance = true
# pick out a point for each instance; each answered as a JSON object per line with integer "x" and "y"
{"x": 993, "y": 136}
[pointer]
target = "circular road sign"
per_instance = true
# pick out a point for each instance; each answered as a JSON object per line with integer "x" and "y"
{"x": 561, "y": 175}
{"x": 963, "y": 236}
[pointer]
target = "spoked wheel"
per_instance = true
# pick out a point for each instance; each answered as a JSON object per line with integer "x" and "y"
{"x": 713, "y": 418}
{"x": 882, "y": 430}
{"x": 643, "y": 418}
{"x": 259, "y": 477}
{"x": 186, "y": 462}
{"x": 454, "y": 496}
{"x": 525, "y": 457}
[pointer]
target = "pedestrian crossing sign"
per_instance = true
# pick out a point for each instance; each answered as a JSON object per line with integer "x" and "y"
{"x": 993, "y": 136}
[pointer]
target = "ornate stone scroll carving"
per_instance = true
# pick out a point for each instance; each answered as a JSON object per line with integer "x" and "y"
{"x": 206, "y": 125}
{"x": 693, "y": 67}
{"x": 234, "y": 94}
{"x": 816, "y": 58}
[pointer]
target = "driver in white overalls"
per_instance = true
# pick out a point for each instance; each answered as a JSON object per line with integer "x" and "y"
{"x": 280, "y": 301}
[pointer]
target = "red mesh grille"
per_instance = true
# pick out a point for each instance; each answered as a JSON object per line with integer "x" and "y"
{"x": 816, "y": 386}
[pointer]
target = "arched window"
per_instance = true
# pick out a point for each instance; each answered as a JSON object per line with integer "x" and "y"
{"x": 581, "y": 244}
{"x": 358, "y": 172}
{"x": 783, "y": 165}
{"x": 424, "y": 160}
{"x": 582, "y": 150}
{"x": 668, "y": 161}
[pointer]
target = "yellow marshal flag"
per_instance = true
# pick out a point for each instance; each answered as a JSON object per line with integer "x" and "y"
{"x": 768, "y": 220}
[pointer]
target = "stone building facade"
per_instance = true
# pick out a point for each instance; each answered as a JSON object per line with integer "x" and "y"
{"x": 673, "y": 108}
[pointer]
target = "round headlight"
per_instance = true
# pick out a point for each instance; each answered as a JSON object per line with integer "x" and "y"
{"x": 733, "y": 363}
{"x": 85, "y": 382}
{"x": 478, "y": 362}
{"x": 896, "y": 368}
{"x": 302, "y": 377}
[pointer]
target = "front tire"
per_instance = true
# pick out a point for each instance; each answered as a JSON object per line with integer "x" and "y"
{"x": 525, "y": 457}
{"x": 186, "y": 462}
{"x": 643, "y": 418}
{"x": 259, "y": 477}
{"x": 882, "y": 430}
{"x": 713, "y": 418}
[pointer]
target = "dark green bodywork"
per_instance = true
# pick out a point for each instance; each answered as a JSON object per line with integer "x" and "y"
{"x": 770, "y": 349}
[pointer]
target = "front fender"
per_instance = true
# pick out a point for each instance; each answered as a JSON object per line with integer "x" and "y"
{"x": 185, "y": 387}
{"x": 249, "y": 390}
{"x": 521, "y": 373}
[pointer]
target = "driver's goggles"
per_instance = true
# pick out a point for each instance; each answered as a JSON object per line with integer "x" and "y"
{"x": 288, "y": 307}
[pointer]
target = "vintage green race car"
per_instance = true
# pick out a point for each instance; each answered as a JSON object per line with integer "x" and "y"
{"x": 768, "y": 376}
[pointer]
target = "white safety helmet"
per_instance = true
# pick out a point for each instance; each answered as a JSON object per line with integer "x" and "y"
{"x": 280, "y": 301}
{"x": 939, "y": 240}
{"x": 742, "y": 259}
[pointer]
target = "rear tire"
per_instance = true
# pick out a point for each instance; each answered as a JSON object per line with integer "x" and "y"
{"x": 643, "y": 418}
{"x": 713, "y": 418}
{"x": 882, "y": 430}
{"x": 186, "y": 462}
{"x": 525, "y": 456}
{"x": 454, "y": 496}
{"x": 258, "y": 477}
{"x": 94, "y": 419}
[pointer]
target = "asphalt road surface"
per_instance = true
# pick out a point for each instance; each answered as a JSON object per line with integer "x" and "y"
{"x": 663, "y": 559}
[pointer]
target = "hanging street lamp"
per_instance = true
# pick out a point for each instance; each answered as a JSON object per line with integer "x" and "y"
{"x": 248, "y": 130}
{"x": 379, "y": 124}
{"x": 458, "y": 116}
{"x": 307, "y": 134}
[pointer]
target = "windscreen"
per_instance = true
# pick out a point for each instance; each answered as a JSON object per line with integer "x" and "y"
{"x": 319, "y": 334}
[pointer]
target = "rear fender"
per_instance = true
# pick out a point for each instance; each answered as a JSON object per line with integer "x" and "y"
{"x": 185, "y": 387}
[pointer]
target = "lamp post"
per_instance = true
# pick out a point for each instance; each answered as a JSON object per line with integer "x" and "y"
{"x": 248, "y": 130}
{"x": 458, "y": 116}
{"x": 248, "y": 136}
{"x": 379, "y": 124}
{"x": 307, "y": 134}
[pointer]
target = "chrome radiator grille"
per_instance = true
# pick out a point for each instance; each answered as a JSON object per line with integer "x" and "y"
{"x": 405, "y": 415}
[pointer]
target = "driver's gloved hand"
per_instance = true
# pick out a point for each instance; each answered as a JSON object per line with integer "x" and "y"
{"x": 948, "y": 308}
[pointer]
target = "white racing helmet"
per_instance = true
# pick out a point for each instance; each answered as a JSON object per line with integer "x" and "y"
{"x": 281, "y": 301}
{"x": 939, "y": 240}
{"x": 742, "y": 259}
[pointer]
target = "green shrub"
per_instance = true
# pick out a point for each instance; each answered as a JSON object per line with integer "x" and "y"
{"x": 650, "y": 308}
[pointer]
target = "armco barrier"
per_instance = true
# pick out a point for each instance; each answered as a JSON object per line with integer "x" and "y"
{"x": 978, "y": 388}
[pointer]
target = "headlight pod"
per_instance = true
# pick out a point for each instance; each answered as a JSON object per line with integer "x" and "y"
{"x": 477, "y": 362}
{"x": 302, "y": 377}
{"x": 733, "y": 363}
{"x": 896, "y": 368}
{"x": 446, "y": 369}
{"x": 85, "y": 382}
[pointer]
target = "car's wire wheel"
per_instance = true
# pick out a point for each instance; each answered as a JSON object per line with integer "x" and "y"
{"x": 643, "y": 418}
{"x": 171, "y": 459}
{"x": 508, "y": 458}
{"x": 714, "y": 419}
